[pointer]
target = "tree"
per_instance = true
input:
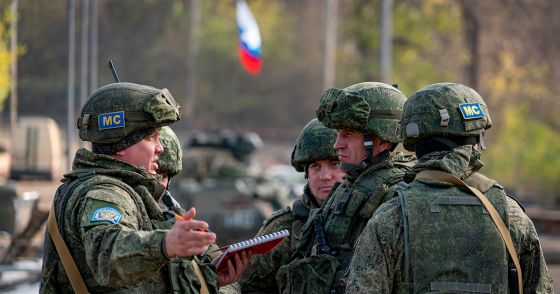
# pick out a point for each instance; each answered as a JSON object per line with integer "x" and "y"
{"x": 5, "y": 58}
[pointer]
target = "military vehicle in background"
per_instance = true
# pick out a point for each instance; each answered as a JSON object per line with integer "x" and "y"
{"x": 226, "y": 186}
{"x": 36, "y": 149}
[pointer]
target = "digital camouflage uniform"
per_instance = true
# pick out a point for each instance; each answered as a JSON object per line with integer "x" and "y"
{"x": 318, "y": 266}
{"x": 314, "y": 143}
{"x": 453, "y": 244}
{"x": 170, "y": 161}
{"x": 107, "y": 210}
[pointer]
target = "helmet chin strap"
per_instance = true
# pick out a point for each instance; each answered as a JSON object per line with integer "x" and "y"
{"x": 354, "y": 170}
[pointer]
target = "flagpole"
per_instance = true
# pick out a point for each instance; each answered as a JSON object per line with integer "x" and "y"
{"x": 71, "y": 124}
{"x": 386, "y": 40}
{"x": 192, "y": 56}
{"x": 329, "y": 64}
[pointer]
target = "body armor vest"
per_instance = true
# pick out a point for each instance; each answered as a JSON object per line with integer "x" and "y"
{"x": 453, "y": 244}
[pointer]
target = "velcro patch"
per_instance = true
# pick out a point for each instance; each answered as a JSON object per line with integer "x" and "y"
{"x": 471, "y": 110}
{"x": 107, "y": 214}
{"x": 111, "y": 120}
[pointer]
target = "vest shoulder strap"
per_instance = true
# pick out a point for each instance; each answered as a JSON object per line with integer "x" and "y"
{"x": 72, "y": 271}
{"x": 203, "y": 287}
{"x": 299, "y": 209}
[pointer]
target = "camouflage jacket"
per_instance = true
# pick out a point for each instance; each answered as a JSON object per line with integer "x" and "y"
{"x": 260, "y": 275}
{"x": 345, "y": 211}
{"x": 378, "y": 265}
{"x": 108, "y": 215}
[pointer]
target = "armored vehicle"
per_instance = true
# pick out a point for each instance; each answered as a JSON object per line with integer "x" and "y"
{"x": 227, "y": 188}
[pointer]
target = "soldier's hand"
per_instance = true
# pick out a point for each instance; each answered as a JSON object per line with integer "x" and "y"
{"x": 182, "y": 240}
{"x": 231, "y": 273}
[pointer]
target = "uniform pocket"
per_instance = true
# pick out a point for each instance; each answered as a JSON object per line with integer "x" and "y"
{"x": 310, "y": 275}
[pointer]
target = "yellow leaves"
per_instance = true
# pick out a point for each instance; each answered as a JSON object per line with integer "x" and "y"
{"x": 517, "y": 82}
{"x": 5, "y": 61}
{"x": 410, "y": 55}
{"x": 177, "y": 9}
{"x": 524, "y": 152}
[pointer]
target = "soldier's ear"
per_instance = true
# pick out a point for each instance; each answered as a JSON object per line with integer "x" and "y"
{"x": 120, "y": 153}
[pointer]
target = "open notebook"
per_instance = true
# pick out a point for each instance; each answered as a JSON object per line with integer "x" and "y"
{"x": 259, "y": 245}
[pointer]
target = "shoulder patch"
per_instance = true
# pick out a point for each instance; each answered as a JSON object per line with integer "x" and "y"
{"x": 471, "y": 110}
{"x": 111, "y": 120}
{"x": 276, "y": 214}
{"x": 106, "y": 213}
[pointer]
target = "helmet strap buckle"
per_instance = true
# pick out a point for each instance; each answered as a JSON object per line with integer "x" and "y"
{"x": 444, "y": 118}
{"x": 368, "y": 144}
{"x": 482, "y": 147}
{"x": 85, "y": 121}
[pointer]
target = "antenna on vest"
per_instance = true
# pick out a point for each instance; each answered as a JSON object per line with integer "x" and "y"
{"x": 114, "y": 71}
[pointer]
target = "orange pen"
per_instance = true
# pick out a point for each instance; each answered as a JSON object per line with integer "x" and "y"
{"x": 183, "y": 219}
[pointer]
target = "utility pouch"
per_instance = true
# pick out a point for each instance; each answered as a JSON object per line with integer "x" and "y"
{"x": 309, "y": 275}
{"x": 185, "y": 279}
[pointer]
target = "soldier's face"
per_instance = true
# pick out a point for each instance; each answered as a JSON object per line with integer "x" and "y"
{"x": 322, "y": 175}
{"x": 350, "y": 146}
{"x": 143, "y": 153}
{"x": 351, "y": 149}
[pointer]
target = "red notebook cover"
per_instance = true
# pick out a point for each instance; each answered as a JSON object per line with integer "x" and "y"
{"x": 259, "y": 245}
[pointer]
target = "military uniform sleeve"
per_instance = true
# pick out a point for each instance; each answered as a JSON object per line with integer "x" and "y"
{"x": 536, "y": 278}
{"x": 260, "y": 275}
{"x": 117, "y": 253}
{"x": 378, "y": 262}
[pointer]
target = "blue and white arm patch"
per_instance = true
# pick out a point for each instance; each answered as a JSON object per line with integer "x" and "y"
{"x": 106, "y": 214}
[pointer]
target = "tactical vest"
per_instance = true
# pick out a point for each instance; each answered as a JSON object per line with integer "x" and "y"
{"x": 346, "y": 211}
{"x": 301, "y": 215}
{"x": 452, "y": 244}
{"x": 149, "y": 218}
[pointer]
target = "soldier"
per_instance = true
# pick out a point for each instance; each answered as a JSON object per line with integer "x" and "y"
{"x": 169, "y": 165}
{"x": 103, "y": 234}
{"x": 366, "y": 116}
{"x": 449, "y": 240}
{"x": 315, "y": 155}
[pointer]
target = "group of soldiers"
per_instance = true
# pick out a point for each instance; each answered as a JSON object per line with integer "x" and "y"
{"x": 371, "y": 219}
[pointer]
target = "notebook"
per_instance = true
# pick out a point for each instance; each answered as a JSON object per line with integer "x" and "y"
{"x": 259, "y": 245}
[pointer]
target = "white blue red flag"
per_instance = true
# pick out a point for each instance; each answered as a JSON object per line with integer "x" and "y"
{"x": 249, "y": 39}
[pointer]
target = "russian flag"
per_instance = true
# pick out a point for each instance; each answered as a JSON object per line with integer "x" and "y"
{"x": 249, "y": 39}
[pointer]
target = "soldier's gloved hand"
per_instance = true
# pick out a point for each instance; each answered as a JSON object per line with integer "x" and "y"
{"x": 231, "y": 273}
{"x": 182, "y": 240}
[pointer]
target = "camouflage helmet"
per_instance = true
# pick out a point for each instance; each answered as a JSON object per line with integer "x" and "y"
{"x": 372, "y": 108}
{"x": 314, "y": 143}
{"x": 115, "y": 111}
{"x": 171, "y": 159}
{"x": 441, "y": 110}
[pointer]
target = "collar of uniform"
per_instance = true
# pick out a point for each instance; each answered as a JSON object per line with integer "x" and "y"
{"x": 351, "y": 181}
{"x": 86, "y": 160}
{"x": 308, "y": 200}
{"x": 461, "y": 161}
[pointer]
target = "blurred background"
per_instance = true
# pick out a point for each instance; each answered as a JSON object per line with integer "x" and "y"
{"x": 53, "y": 54}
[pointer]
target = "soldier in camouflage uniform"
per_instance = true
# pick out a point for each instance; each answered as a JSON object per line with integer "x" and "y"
{"x": 450, "y": 239}
{"x": 315, "y": 155}
{"x": 106, "y": 211}
{"x": 169, "y": 165}
{"x": 366, "y": 116}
